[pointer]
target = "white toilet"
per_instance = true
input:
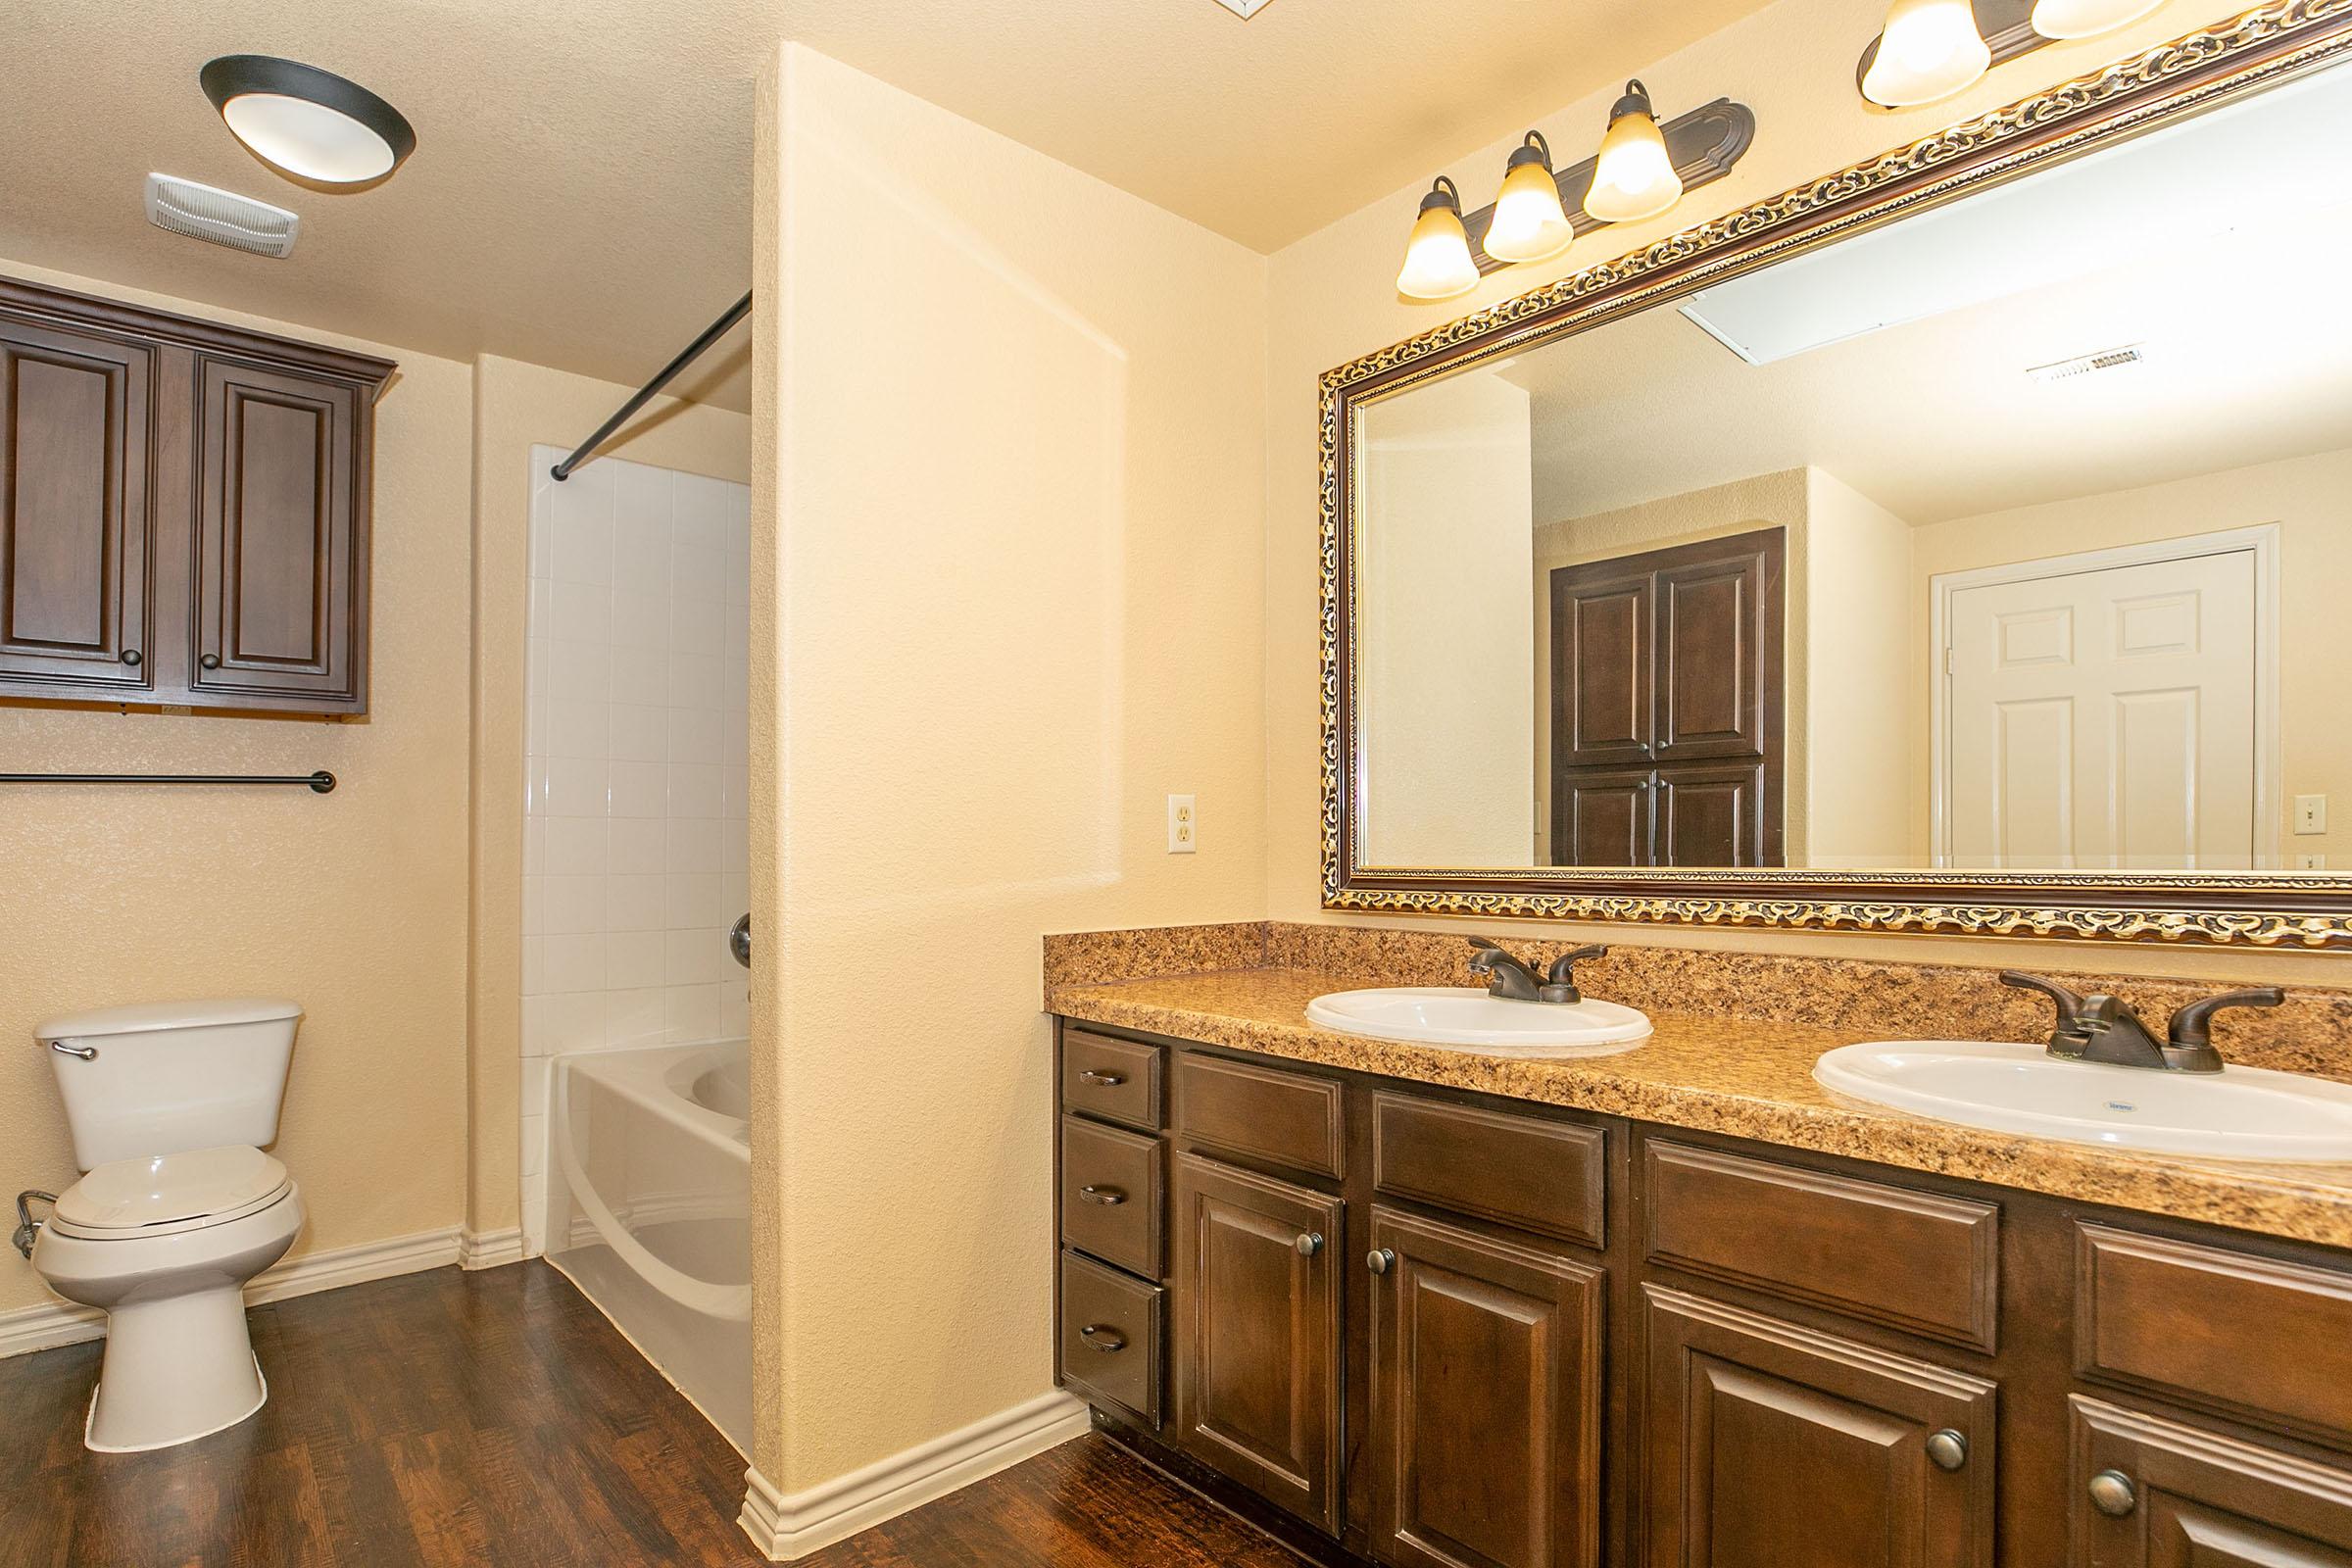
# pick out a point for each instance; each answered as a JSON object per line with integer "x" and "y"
{"x": 170, "y": 1104}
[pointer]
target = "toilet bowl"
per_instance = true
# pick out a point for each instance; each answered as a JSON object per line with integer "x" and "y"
{"x": 178, "y": 1207}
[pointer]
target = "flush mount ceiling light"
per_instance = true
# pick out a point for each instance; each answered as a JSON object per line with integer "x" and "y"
{"x": 1635, "y": 175}
{"x": 1529, "y": 224}
{"x": 1930, "y": 50}
{"x": 311, "y": 124}
{"x": 1436, "y": 258}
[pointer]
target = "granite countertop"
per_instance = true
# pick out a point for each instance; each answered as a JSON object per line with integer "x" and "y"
{"x": 1743, "y": 1077}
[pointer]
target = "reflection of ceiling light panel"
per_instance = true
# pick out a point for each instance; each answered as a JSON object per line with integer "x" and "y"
{"x": 2082, "y": 364}
{"x": 1244, "y": 9}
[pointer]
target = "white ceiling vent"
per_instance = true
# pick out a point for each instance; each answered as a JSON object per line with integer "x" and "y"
{"x": 1244, "y": 9}
{"x": 223, "y": 217}
{"x": 2084, "y": 363}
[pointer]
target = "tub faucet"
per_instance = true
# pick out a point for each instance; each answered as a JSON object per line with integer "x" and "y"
{"x": 1514, "y": 981}
{"x": 2103, "y": 1028}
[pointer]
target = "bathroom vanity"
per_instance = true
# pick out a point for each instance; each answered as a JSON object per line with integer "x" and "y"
{"x": 1423, "y": 1307}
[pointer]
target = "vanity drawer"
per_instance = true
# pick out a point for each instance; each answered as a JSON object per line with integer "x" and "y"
{"x": 1117, "y": 1080}
{"x": 1288, "y": 1117}
{"x": 1111, "y": 1335}
{"x": 1542, "y": 1176}
{"x": 1111, "y": 1202}
{"x": 1918, "y": 1261}
{"x": 2264, "y": 1340}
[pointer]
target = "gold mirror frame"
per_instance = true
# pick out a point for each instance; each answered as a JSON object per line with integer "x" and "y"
{"x": 2245, "y": 54}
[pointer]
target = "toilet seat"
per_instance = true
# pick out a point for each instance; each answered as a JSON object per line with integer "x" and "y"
{"x": 161, "y": 1194}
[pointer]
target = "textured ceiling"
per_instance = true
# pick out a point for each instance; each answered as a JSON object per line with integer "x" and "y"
{"x": 581, "y": 192}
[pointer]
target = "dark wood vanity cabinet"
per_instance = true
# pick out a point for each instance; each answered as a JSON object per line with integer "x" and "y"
{"x": 183, "y": 510}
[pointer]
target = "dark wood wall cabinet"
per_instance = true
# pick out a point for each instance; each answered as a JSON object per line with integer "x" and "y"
{"x": 183, "y": 510}
{"x": 1431, "y": 1329}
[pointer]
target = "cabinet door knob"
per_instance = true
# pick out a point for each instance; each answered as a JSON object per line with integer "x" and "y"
{"x": 1107, "y": 1196}
{"x": 1379, "y": 1261}
{"x": 1102, "y": 1080}
{"x": 134, "y": 657}
{"x": 210, "y": 660}
{"x": 1309, "y": 1243}
{"x": 1948, "y": 1448}
{"x": 2113, "y": 1495}
{"x": 1102, "y": 1337}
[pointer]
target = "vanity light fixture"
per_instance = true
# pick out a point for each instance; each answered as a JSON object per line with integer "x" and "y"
{"x": 2088, "y": 19}
{"x": 305, "y": 121}
{"x": 1634, "y": 177}
{"x": 1929, "y": 50}
{"x": 1436, "y": 258}
{"x": 1529, "y": 224}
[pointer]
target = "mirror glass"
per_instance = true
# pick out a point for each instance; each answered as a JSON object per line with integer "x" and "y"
{"x": 2016, "y": 534}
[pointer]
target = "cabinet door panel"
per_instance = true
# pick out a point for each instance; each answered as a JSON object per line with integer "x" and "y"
{"x": 1712, "y": 815}
{"x": 1600, "y": 696}
{"x": 1712, "y": 672}
{"x": 1487, "y": 1400}
{"x": 278, "y": 554}
{"x": 74, "y": 527}
{"x": 2198, "y": 1500}
{"x": 1769, "y": 1443}
{"x": 1257, "y": 1339}
{"x": 1602, "y": 819}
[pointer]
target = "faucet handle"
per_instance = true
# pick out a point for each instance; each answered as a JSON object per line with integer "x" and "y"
{"x": 1562, "y": 972}
{"x": 2070, "y": 1004}
{"x": 1482, "y": 959}
{"x": 2192, "y": 1025}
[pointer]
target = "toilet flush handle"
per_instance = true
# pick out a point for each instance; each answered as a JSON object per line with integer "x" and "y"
{"x": 69, "y": 1049}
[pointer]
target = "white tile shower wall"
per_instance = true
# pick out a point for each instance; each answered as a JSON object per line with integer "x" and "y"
{"x": 635, "y": 859}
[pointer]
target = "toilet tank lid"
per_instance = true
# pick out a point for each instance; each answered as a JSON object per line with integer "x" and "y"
{"x": 142, "y": 1017}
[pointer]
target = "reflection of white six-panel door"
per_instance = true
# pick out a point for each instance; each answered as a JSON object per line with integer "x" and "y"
{"x": 2107, "y": 713}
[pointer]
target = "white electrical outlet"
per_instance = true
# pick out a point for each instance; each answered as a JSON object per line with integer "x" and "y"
{"x": 1184, "y": 825}
{"x": 2310, "y": 863}
{"x": 2311, "y": 813}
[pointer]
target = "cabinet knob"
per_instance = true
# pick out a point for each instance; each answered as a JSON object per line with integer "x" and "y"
{"x": 1379, "y": 1261}
{"x": 134, "y": 657}
{"x": 1309, "y": 1243}
{"x": 1102, "y": 1337}
{"x": 1107, "y": 1196}
{"x": 210, "y": 660}
{"x": 1102, "y": 1080}
{"x": 1948, "y": 1448}
{"x": 2113, "y": 1495}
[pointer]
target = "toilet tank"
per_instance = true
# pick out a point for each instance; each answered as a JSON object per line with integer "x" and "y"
{"x": 162, "y": 1077}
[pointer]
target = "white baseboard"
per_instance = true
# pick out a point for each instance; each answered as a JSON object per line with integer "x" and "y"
{"x": 50, "y": 1324}
{"x": 786, "y": 1528}
{"x": 490, "y": 1248}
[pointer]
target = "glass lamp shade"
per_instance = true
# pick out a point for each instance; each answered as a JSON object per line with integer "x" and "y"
{"x": 1529, "y": 223}
{"x": 312, "y": 124}
{"x": 1931, "y": 49}
{"x": 1634, "y": 177}
{"x": 2088, "y": 19}
{"x": 1436, "y": 258}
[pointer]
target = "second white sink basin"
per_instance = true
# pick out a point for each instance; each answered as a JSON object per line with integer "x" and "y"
{"x": 2236, "y": 1113}
{"x": 1463, "y": 1019}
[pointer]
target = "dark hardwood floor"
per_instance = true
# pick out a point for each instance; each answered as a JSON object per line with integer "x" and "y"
{"x": 496, "y": 1418}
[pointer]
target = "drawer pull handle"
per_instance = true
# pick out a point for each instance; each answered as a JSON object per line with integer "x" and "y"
{"x": 1948, "y": 1448}
{"x": 1102, "y": 1337}
{"x": 1102, "y": 1080}
{"x": 1309, "y": 1243}
{"x": 1379, "y": 1261}
{"x": 1107, "y": 1196}
{"x": 2113, "y": 1495}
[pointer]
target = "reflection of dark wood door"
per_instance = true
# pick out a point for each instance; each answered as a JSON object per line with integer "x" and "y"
{"x": 1666, "y": 706}
{"x": 2173, "y": 1496}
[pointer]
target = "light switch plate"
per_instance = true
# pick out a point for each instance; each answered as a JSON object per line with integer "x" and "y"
{"x": 1184, "y": 826}
{"x": 2311, "y": 813}
{"x": 2310, "y": 863}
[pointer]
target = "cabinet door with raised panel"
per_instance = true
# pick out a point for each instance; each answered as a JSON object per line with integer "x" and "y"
{"x": 1487, "y": 1400}
{"x": 281, "y": 555}
{"x": 75, "y": 551}
{"x": 1769, "y": 1443}
{"x": 2152, "y": 1493}
{"x": 1257, "y": 1334}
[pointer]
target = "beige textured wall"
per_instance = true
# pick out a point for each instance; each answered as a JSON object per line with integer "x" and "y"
{"x": 514, "y": 404}
{"x": 1333, "y": 296}
{"x": 352, "y": 903}
{"x": 1862, "y": 718}
{"x": 2309, "y": 498}
{"x": 1010, "y": 423}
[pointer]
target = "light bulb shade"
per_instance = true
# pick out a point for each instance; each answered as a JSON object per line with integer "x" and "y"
{"x": 1436, "y": 258}
{"x": 2088, "y": 19}
{"x": 1929, "y": 49}
{"x": 312, "y": 124}
{"x": 1634, "y": 177}
{"x": 1529, "y": 223}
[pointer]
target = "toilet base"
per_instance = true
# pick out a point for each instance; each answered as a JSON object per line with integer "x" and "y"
{"x": 175, "y": 1370}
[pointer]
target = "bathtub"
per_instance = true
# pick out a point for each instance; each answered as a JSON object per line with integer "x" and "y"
{"x": 649, "y": 1209}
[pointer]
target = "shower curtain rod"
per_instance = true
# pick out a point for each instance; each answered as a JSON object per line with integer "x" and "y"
{"x": 694, "y": 351}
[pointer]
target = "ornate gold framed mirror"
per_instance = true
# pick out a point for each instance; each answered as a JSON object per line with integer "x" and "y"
{"x": 1959, "y": 542}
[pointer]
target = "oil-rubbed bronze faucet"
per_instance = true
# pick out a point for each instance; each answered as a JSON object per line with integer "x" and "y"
{"x": 1514, "y": 981}
{"x": 2103, "y": 1028}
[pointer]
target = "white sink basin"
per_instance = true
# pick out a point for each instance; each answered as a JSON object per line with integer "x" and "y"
{"x": 2237, "y": 1113}
{"x": 1462, "y": 1019}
